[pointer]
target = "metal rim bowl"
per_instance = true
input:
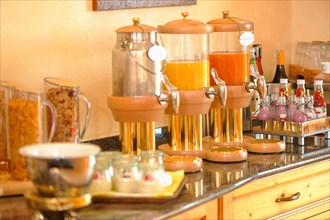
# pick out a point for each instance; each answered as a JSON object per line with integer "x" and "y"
{"x": 61, "y": 169}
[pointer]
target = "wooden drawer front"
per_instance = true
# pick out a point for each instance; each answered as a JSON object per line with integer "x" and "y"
{"x": 317, "y": 210}
{"x": 259, "y": 202}
{"x": 206, "y": 211}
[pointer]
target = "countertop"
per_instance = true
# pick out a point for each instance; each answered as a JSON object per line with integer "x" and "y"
{"x": 213, "y": 181}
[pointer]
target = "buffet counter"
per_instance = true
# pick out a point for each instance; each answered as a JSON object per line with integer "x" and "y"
{"x": 211, "y": 184}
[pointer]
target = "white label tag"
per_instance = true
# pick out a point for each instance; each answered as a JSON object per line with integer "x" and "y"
{"x": 157, "y": 53}
{"x": 246, "y": 38}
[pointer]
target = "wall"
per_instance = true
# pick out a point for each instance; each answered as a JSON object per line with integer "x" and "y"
{"x": 68, "y": 39}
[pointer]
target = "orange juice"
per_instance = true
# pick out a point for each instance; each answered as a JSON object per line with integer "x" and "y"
{"x": 188, "y": 75}
{"x": 233, "y": 68}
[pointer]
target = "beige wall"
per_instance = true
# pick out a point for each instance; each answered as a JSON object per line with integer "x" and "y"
{"x": 68, "y": 39}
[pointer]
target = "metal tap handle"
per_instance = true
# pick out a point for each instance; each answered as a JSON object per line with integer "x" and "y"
{"x": 261, "y": 86}
{"x": 173, "y": 96}
{"x": 221, "y": 87}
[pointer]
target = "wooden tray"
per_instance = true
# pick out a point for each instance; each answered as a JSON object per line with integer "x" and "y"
{"x": 10, "y": 187}
{"x": 293, "y": 129}
{"x": 170, "y": 192}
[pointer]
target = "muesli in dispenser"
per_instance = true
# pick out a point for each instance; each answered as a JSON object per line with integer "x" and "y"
{"x": 65, "y": 95}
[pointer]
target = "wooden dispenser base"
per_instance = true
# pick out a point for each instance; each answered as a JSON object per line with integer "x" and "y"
{"x": 226, "y": 122}
{"x": 136, "y": 117}
{"x": 136, "y": 109}
{"x": 237, "y": 97}
{"x": 192, "y": 103}
{"x": 186, "y": 126}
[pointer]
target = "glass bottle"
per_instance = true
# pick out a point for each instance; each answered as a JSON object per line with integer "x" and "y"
{"x": 280, "y": 69}
{"x": 300, "y": 91}
{"x": 309, "y": 107}
{"x": 284, "y": 87}
{"x": 152, "y": 158}
{"x": 254, "y": 75}
{"x": 281, "y": 112}
{"x": 258, "y": 53}
{"x": 320, "y": 105}
{"x": 273, "y": 104}
{"x": 292, "y": 107}
{"x": 300, "y": 115}
{"x": 264, "y": 113}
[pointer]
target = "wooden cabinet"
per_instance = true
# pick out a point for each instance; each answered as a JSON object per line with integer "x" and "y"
{"x": 295, "y": 194}
{"x": 207, "y": 211}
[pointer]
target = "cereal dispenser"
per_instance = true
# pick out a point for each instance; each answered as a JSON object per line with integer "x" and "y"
{"x": 188, "y": 68}
{"x": 65, "y": 95}
{"x": 137, "y": 101}
{"x": 229, "y": 55}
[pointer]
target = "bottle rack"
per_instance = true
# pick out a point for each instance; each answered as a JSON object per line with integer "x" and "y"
{"x": 289, "y": 130}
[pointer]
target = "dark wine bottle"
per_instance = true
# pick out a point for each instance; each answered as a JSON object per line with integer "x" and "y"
{"x": 280, "y": 70}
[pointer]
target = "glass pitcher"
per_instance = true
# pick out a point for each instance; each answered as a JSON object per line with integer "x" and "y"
{"x": 25, "y": 115}
{"x": 65, "y": 95}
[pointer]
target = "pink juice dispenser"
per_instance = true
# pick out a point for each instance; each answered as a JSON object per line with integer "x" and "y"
{"x": 137, "y": 99}
{"x": 229, "y": 56}
{"x": 188, "y": 68}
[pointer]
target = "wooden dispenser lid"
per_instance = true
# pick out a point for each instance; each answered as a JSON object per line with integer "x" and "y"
{"x": 136, "y": 27}
{"x": 136, "y": 109}
{"x": 185, "y": 26}
{"x": 230, "y": 24}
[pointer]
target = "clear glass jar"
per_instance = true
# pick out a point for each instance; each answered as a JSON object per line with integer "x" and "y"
{"x": 150, "y": 178}
{"x": 25, "y": 115}
{"x": 104, "y": 171}
{"x": 4, "y": 87}
{"x": 126, "y": 173}
{"x": 65, "y": 96}
{"x": 187, "y": 44}
{"x": 325, "y": 72}
{"x": 229, "y": 48}
{"x": 152, "y": 158}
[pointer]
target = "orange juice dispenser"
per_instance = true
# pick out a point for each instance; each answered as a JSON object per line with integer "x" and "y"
{"x": 188, "y": 68}
{"x": 137, "y": 99}
{"x": 229, "y": 55}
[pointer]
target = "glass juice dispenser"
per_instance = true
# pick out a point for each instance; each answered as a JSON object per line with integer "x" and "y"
{"x": 229, "y": 55}
{"x": 137, "y": 100}
{"x": 188, "y": 68}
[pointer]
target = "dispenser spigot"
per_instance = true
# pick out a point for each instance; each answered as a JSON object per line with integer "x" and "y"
{"x": 173, "y": 96}
{"x": 221, "y": 88}
{"x": 259, "y": 86}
